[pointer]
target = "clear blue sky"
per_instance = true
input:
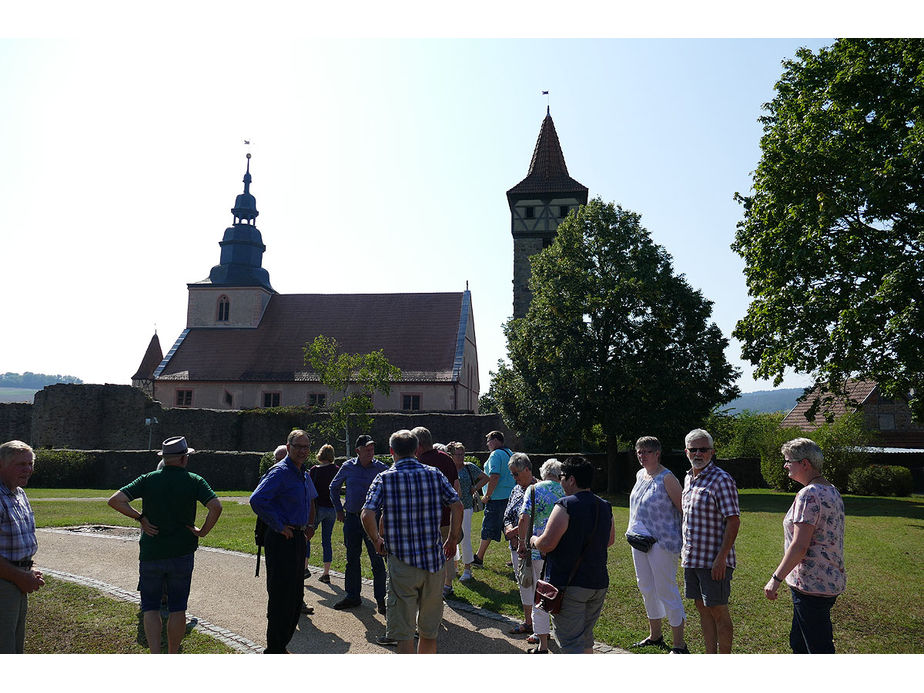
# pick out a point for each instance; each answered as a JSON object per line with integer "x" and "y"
{"x": 378, "y": 166}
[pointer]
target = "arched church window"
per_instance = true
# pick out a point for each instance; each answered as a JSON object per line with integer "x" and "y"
{"x": 224, "y": 309}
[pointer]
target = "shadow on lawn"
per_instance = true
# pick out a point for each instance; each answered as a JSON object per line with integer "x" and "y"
{"x": 853, "y": 505}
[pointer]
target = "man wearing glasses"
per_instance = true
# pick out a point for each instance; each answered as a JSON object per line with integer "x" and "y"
{"x": 711, "y": 519}
{"x": 284, "y": 500}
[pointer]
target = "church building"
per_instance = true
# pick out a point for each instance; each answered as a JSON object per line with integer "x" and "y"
{"x": 243, "y": 346}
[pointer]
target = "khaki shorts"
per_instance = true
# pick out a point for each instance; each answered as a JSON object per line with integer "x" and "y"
{"x": 414, "y": 597}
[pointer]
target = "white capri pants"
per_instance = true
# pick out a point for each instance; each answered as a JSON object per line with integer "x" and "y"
{"x": 656, "y": 574}
{"x": 468, "y": 554}
{"x": 542, "y": 625}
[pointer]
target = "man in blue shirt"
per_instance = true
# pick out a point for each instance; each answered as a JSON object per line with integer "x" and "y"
{"x": 500, "y": 484}
{"x": 284, "y": 500}
{"x": 357, "y": 473}
{"x": 411, "y": 496}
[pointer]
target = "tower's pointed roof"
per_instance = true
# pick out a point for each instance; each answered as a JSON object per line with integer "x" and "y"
{"x": 152, "y": 358}
{"x": 548, "y": 172}
{"x": 241, "y": 260}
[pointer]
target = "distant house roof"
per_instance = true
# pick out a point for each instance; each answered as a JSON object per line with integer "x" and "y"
{"x": 548, "y": 172}
{"x": 421, "y": 334}
{"x": 152, "y": 358}
{"x": 857, "y": 390}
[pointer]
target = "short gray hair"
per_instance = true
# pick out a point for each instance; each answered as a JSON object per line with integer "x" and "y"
{"x": 805, "y": 449}
{"x": 550, "y": 468}
{"x": 424, "y": 439}
{"x": 12, "y": 448}
{"x": 648, "y": 443}
{"x": 696, "y": 434}
{"x": 520, "y": 461}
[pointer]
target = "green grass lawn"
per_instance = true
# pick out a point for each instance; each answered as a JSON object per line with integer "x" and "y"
{"x": 881, "y": 611}
{"x": 66, "y": 618}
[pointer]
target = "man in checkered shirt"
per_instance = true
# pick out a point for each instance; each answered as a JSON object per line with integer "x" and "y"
{"x": 411, "y": 497}
{"x": 17, "y": 545}
{"x": 711, "y": 519}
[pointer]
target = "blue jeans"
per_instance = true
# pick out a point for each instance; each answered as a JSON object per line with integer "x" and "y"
{"x": 811, "y": 631}
{"x": 325, "y": 517}
{"x": 354, "y": 536}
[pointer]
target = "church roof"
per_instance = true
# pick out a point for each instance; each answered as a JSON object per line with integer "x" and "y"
{"x": 152, "y": 358}
{"x": 548, "y": 172}
{"x": 420, "y": 333}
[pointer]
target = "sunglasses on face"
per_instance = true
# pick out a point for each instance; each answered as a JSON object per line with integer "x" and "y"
{"x": 699, "y": 449}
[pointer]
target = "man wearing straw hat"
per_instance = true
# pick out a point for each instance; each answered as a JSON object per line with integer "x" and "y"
{"x": 169, "y": 537}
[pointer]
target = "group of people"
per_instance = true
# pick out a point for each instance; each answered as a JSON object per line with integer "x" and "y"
{"x": 697, "y": 525}
{"x": 411, "y": 516}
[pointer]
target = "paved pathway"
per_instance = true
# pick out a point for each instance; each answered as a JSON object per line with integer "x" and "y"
{"x": 230, "y": 603}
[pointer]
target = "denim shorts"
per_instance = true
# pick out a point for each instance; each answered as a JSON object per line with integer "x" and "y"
{"x": 170, "y": 575}
{"x": 698, "y": 584}
{"x": 492, "y": 523}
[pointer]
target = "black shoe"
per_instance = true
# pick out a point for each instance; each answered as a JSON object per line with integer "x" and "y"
{"x": 476, "y": 560}
{"x": 325, "y": 579}
{"x": 386, "y": 641}
{"x": 679, "y": 650}
{"x": 648, "y": 642}
{"x": 347, "y": 603}
{"x": 307, "y": 573}
{"x": 307, "y": 609}
{"x": 381, "y": 607}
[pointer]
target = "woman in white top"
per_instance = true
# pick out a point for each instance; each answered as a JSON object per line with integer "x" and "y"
{"x": 655, "y": 512}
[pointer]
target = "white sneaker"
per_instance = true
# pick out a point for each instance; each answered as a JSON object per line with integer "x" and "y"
{"x": 466, "y": 576}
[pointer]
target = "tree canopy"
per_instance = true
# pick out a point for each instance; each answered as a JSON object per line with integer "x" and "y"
{"x": 340, "y": 372}
{"x": 613, "y": 340}
{"x": 833, "y": 229}
{"x": 35, "y": 380}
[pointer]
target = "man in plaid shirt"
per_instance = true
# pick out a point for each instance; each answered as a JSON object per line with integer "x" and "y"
{"x": 17, "y": 545}
{"x": 411, "y": 497}
{"x": 711, "y": 519}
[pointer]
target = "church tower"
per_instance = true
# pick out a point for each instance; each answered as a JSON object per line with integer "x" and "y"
{"x": 237, "y": 289}
{"x": 538, "y": 204}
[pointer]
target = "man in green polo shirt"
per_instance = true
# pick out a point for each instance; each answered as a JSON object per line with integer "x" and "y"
{"x": 169, "y": 537}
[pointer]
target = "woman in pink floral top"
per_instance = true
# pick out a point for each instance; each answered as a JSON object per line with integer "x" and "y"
{"x": 813, "y": 550}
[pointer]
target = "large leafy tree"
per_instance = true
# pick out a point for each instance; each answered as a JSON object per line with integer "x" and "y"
{"x": 613, "y": 339}
{"x": 354, "y": 379}
{"x": 833, "y": 229}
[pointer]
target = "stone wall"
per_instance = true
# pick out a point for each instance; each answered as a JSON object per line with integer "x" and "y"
{"x": 112, "y": 417}
{"x": 15, "y": 422}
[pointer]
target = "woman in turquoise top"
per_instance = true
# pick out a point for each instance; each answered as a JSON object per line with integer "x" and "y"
{"x": 654, "y": 511}
{"x": 543, "y": 496}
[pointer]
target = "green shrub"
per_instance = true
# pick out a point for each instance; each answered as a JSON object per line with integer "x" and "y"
{"x": 843, "y": 442}
{"x": 473, "y": 460}
{"x": 267, "y": 461}
{"x": 880, "y": 480}
{"x": 771, "y": 459}
{"x": 63, "y": 469}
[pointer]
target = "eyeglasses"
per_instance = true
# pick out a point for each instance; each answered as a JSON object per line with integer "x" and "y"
{"x": 785, "y": 461}
{"x": 299, "y": 446}
{"x": 698, "y": 449}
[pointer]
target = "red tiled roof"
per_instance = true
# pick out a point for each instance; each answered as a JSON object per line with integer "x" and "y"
{"x": 548, "y": 172}
{"x": 152, "y": 358}
{"x": 857, "y": 390}
{"x": 417, "y": 332}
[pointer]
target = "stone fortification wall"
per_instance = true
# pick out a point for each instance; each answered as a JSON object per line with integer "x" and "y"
{"x": 112, "y": 417}
{"x": 15, "y": 422}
